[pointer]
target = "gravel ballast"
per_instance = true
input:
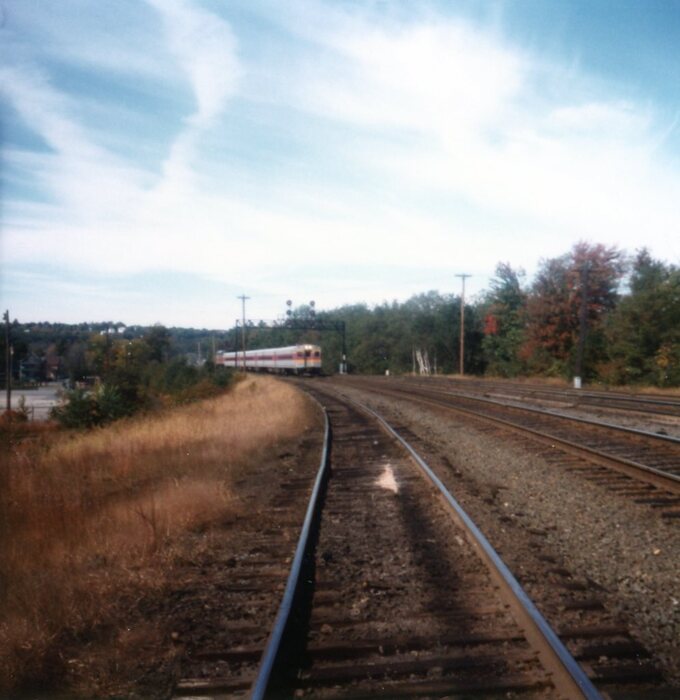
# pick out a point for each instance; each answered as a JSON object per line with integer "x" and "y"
{"x": 511, "y": 490}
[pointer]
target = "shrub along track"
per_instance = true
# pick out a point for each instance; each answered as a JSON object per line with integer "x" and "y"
{"x": 642, "y": 465}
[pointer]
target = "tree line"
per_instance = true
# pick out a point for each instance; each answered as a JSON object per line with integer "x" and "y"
{"x": 614, "y": 314}
{"x": 625, "y": 310}
{"x": 136, "y": 375}
{"x": 111, "y": 372}
{"x": 595, "y": 312}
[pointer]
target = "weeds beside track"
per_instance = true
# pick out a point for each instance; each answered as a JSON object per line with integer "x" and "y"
{"x": 89, "y": 520}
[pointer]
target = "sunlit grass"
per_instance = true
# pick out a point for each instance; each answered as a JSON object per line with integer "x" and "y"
{"x": 92, "y": 517}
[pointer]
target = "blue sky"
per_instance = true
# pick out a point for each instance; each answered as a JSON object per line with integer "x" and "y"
{"x": 161, "y": 157}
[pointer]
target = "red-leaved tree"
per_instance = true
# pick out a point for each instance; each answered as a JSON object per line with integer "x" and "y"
{"x": 558, "y": 314}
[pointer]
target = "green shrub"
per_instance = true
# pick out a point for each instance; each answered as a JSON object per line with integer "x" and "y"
{"x": 79, "y": 410}
{"x": 111, "y": 404}
{"x": 128, "y": 391}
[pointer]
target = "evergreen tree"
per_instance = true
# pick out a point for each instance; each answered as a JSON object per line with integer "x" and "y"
{"x": 644, "y": 331}
{"x": 504, "y": 321}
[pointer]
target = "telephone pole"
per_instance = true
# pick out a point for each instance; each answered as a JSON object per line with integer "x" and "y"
{"x": 462, "y": 324}
{"x": 243, "y": 298}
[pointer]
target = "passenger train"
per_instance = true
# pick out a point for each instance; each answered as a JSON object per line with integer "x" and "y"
{"x": 294, "y": 359}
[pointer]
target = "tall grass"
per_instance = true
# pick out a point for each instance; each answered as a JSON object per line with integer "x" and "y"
{"x": 91, "y": 518}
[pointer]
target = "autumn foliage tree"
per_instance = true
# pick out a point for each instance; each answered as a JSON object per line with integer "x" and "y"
{"x": 556, "y": 302}
{"x": 632, "y": 332}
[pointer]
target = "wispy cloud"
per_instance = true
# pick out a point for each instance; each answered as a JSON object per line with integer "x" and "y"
{"x": 205, "y": 48}
{"x": 111, "y": 38}
{"x": 87, "y": 180}
{"x": 114, "y": 215}
{"x": 443, "y": 80}
{"x": 391, "y": 147}
{"x": 564, "y": 163}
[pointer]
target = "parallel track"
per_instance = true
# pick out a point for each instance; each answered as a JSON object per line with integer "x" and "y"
{"x": 423, "y": 618}
{"x": 647, "y": 457}
{"x": 389, "y": 596}
{"x": 656, "y": 404}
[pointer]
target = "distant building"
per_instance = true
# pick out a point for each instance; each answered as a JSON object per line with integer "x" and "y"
{"x": 31, "y": 369}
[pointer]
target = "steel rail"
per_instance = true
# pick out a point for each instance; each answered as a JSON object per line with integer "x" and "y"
{"x": 568, "y": 675}
{"x": 647, "y": 399}
{"x": 576, "y": 419}
{"x": 623, "y": 398}
{"x": 641, "y": 472}
{"x": 271, "y": 650}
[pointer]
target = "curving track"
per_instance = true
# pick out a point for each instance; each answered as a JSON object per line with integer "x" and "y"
{"x": 402, "y": 605}
{"x": 390, "y": 596}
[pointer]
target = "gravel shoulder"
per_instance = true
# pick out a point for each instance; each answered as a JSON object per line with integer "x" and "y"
{"x": 513, "y": 491}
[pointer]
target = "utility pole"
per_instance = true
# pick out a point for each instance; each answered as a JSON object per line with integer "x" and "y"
{"x": 243, "y": 298}
{"x": 8, "y": 363}
{"x": 462, "y": 325}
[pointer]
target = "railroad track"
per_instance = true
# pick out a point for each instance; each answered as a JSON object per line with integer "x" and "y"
{"x": 649, "y": 463}
{"x": 228, "y": 592}
{"x": 655, "y": 404}
{"x": 393, "y": 594}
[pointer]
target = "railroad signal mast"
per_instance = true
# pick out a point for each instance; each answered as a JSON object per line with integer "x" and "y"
{"x": 582, "y": 326}
{"x": 307, "y": 323}
{"x": 314, "y": 324}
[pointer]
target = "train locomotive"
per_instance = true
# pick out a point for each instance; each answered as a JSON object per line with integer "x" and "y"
{"x": 294, "y": 359}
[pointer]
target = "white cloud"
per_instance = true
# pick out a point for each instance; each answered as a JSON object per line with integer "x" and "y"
{"x": 137, "y": 220}
{"x": 427, "y": 144}
{"x": 86, "y": 179}
{"x": 205, "y": 48}
{"x": 32, "y": 95}
{"x": 571, "y": 167}
{"x": 443, "y": 80}
{"x": 606, "y": 120}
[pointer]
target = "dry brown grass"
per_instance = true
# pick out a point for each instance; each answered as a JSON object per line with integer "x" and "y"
{"x": 91, "y": 518}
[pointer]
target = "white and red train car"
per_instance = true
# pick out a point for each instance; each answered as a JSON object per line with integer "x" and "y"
{"x": 294, "y": 359}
